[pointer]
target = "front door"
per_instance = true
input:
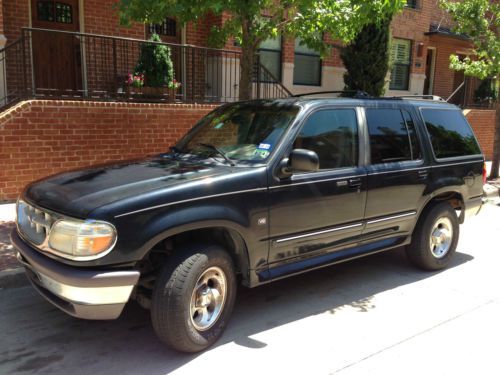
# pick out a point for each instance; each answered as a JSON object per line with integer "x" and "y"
{"x": 57, "y": 61}
{"x": 314, "y": 214}
{"x": 429, "y": 72}
{"x": 458, "y": 79}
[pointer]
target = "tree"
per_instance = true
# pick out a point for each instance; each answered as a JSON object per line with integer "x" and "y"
{"x": 480, "y": 21}
{"x": 253, "y": 21}
{"x": 366, "y": 59}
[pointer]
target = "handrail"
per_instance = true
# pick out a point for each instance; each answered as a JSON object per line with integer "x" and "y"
{"x": 11, "y": 45}
{"x": 206, "y": 74}
{"x": 283, "y": 87}
{"x": 456, "y": 91}
{"x": 110, "y": 37}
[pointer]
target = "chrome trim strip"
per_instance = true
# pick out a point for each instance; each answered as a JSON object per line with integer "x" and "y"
{"x": 453, "y": 164}
{"x": 190, "y": 200}
{"x": 317, "y": 181}
{"x": 316, "y": 233}
{"x": 397, "y": 170}
{"x": 392, "y": 217}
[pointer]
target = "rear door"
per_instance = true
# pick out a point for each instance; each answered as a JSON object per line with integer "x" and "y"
{"x": 317, "y": 213}
{"x": 397, "y": 173}
{"x": 458, "y": 159}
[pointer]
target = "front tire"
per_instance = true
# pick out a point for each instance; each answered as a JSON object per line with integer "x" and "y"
{"x": 435, "y": 238}
{"x": 193, "y": 298}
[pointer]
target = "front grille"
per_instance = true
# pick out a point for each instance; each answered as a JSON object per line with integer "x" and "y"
{"x": 34, "y": 223}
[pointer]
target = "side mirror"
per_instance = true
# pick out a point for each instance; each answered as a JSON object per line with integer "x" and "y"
{"x": 300, "y": 160}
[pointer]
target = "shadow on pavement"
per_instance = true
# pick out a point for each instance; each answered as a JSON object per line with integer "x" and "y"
{"x": 54, "y": 342}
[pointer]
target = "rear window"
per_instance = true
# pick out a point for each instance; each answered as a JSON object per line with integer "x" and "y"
{"x": 392, "y": 136}
{"x": 450, "y": 133}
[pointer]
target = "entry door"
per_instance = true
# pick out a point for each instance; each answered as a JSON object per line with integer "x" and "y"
{"x": 57, "y": 60}
{"x": 316, "y": 213}
{"x": 429, "y": 72}
{"x": 458, "y": 79}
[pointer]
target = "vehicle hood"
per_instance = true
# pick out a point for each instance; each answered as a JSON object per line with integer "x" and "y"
{"x": 79, "y": 192}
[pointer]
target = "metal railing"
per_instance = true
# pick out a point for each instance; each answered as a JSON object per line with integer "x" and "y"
{"x": 465, "y": 95}
{"x": 69, "y": 65}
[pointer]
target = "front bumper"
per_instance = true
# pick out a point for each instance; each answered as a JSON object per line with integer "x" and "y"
{"x": 86, "y": 294}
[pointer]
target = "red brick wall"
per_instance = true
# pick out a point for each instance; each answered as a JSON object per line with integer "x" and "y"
{"x": 15, "y": 16}
{"x": 39, "y": 138}
{"x": 412, "y": 24}
{"x": 101, "y": 18}
{"x": 483, "y": 123}
{"x": 1, "y": 17}
{"x": 444, "y": 76}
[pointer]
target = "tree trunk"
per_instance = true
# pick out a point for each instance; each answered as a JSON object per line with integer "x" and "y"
{"x": 496, "y": 145}
{"x": 246, "y": 63}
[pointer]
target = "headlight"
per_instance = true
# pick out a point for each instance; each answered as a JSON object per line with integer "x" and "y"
{"x": 82, "y": 240}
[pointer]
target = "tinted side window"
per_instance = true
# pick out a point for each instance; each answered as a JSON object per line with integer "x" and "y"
{"x": 391, "y": 137}
{"x": 416, "y": 152}
{"x": 450, "y": 133}
{"x": 333, "y": 135}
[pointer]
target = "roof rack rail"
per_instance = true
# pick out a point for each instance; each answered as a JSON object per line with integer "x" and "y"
{"x": 428, "y": 97}
{"x": 348, "y": 93}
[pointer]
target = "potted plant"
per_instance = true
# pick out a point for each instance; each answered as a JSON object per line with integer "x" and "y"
{"x": 134, "y": 83}
{"x": 173, "y": 86}
{"x": 155, "y": 65}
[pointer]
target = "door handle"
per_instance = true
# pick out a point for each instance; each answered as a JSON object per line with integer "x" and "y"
{"x": 355, "y": 182}
{"x": 422, "y": 174}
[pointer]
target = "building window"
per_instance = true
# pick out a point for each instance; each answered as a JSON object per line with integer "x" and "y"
{"x": 413, "y": 4}
{"x": 50, "y": 11}
{"x": 64, "y": 13}
{"x": 167, "y": 28}
{"x": 401, "y": 62}
{"x": 45, "y": 11}
{"x": 307, "y": 65}
{"x": 270, "y": 57}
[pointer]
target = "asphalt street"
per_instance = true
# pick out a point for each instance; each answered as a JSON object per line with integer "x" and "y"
{"x": 376, "y": 315}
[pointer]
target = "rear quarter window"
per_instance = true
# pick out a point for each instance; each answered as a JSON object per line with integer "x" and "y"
{"x": 450, "y": 133}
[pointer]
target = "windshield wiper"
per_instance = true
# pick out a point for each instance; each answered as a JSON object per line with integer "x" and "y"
{"x": 219, "y": 151}
{"x": 176, "y": 149}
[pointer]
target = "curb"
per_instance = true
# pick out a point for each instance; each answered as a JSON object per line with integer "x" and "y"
{"x": 491, "y": 192}
{"x": 13, "y": 278}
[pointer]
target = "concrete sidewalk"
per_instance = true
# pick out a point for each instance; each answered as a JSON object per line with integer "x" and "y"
{"x": 11, "y": 273}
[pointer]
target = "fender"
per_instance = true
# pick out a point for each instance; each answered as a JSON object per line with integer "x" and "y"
{"x": 158, "y": 225}
{"x": 443, "y": 190}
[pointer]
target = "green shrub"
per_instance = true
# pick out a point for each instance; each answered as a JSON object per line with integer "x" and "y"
{"x": 155, "y": 63}
{"x": 367, "y": 59}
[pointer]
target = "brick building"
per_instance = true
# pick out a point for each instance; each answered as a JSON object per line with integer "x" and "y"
{"x": 422, "y": 44}
{"x": 40, "y": 137}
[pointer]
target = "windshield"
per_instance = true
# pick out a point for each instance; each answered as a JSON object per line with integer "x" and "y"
{"x": 243, "y": 131}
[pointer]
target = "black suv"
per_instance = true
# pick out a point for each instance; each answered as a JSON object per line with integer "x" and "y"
{"x": 256, "y": 191}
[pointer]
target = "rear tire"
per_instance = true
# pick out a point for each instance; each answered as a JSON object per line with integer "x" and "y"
{"x": 435, "y": 238}
{"x": 193, "y": 298}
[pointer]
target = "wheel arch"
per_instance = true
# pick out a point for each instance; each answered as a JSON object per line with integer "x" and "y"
{"x": 228, "y": 234}
{"x": 454, "y": 197}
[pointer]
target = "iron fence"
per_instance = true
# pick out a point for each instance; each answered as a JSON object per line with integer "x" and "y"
{"x": 70, "y": 65}
{"x": 465, "y": 95}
